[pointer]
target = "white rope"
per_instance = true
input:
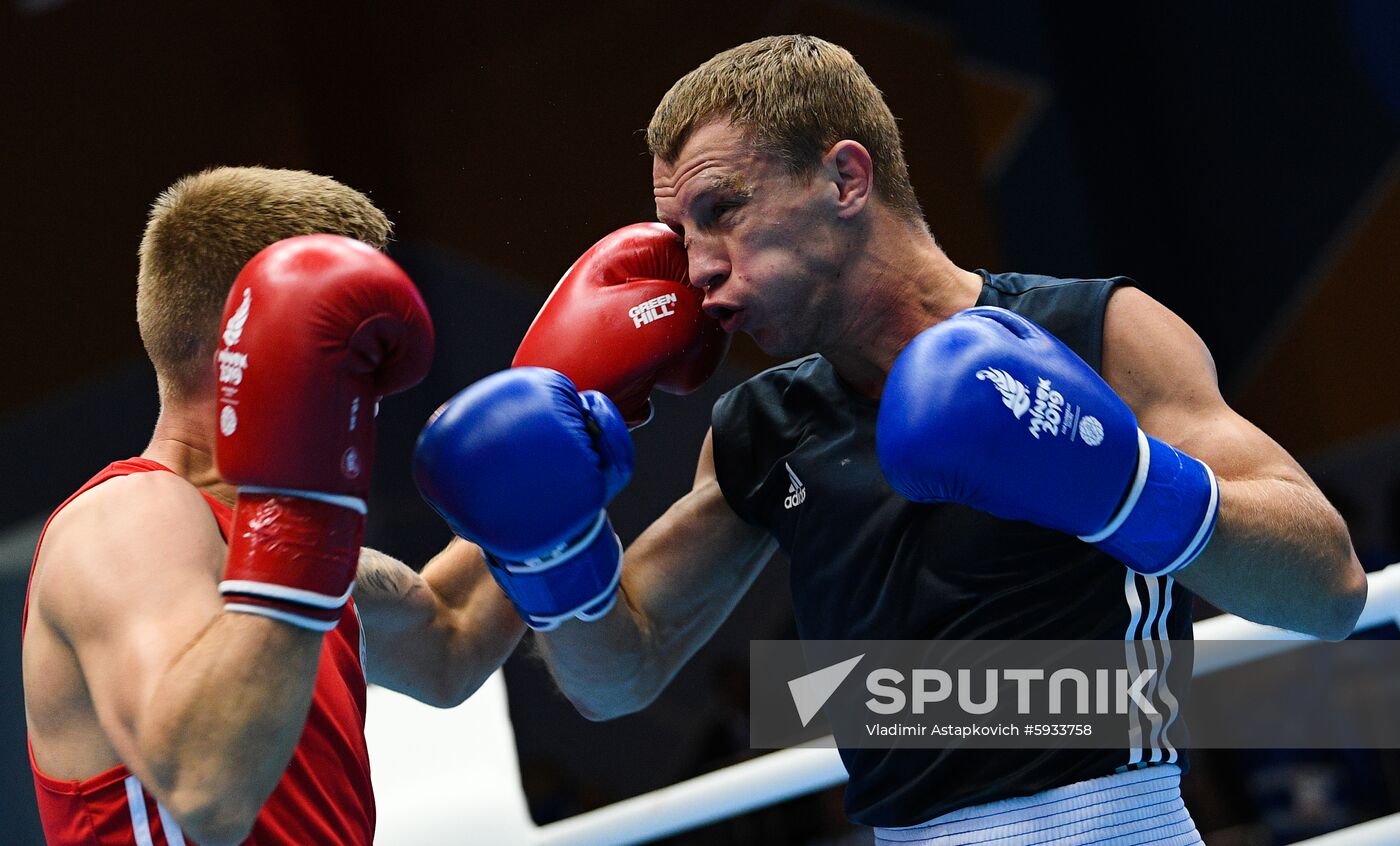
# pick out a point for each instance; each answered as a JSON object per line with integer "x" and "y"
{"x": 783, "y": 775}
{"x": 1380, "y": 832}
{"x": 722, "y": 794}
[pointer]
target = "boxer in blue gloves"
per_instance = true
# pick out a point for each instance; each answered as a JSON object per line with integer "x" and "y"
{"x": 959, "y": 455}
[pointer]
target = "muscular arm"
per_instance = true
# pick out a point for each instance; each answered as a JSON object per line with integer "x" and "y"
{"x": 204, "y": 706}
{"x": 680, "y": 580}
{"x": 1280, "y": 554}
{"x": 438, "y": 635}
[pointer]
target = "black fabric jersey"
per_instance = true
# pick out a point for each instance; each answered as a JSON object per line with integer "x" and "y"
{"x": 794, "y": 451}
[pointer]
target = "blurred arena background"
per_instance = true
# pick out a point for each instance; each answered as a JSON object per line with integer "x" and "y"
{"x": 1240, "y": 160}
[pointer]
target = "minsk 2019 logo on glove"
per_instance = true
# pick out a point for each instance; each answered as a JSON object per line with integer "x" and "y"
{"x": 232, "y": 365}
{"x": 1013, "y": 393}
{"x": 1048, "y": 413}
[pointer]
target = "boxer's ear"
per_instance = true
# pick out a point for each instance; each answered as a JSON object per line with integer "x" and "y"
{"x": 848, "y": 165}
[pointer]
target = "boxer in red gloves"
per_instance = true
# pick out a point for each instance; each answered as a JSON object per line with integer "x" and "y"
{"x": 194, "y": 667}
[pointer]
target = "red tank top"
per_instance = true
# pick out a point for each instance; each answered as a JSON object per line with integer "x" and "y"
{"x": 324, "y": 797}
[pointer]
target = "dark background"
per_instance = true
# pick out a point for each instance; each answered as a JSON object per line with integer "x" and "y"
{"x": 1237, "y": 159}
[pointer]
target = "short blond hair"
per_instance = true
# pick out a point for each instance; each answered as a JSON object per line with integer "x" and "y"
{"x": 795, "y": 96}
{"x": 200, "y": 233}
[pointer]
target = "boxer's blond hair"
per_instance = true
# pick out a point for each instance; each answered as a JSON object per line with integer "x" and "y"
{"x": 200, "y": 233}
{"x": 794, "y": 96}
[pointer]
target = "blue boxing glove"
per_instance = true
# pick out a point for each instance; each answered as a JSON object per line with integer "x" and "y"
{"x": 524, "y": 465}
{"x": 990, "y": 410}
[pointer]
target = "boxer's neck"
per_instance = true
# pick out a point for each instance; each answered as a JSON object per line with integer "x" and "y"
{"x": 899, "y": 284}
{"x": 183, "y": 441}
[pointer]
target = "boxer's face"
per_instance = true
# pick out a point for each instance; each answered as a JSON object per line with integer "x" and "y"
{"x": 763, "y": 244}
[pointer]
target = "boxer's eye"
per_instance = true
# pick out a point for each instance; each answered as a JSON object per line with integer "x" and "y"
{"x": 721, "y": 211}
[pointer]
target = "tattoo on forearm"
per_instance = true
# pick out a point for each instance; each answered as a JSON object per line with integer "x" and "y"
{"x": 381, "y": 575}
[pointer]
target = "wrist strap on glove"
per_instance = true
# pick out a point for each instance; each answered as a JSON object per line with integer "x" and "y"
{"x": 293, "y": 556}
{"x": 578, "y": 579}
{"x": 1168, "y": 515}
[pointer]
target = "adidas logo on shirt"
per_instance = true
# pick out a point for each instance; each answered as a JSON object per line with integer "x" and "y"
{"x": 797, "y": 492}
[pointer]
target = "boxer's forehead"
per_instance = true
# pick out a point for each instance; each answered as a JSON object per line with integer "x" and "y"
{"x": 717, "y": 158}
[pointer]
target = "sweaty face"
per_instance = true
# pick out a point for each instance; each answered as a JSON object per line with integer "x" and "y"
{"x": 762, "y": 243}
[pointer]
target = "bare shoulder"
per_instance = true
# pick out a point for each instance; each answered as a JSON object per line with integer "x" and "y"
{"x": 1162, "y": 369}
{"x": 705, "y": 465}
{"x": 126, "y": 543}
{"x": 1152, "y": 358}
{"x": 701, "y": 530}
{"x": 710, "y": 507}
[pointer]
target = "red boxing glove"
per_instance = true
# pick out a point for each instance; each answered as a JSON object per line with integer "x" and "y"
{"x": 316, "y": 329}
{"x": 624, "y": 319}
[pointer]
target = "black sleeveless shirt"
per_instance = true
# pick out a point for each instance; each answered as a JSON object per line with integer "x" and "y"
{"x": 794, "y": 451}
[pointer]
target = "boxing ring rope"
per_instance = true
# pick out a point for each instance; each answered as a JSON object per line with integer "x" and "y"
{"x": 788, "y": 773}
{"x": 734, "y": 790}
{"x": 1384, "y": 831}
